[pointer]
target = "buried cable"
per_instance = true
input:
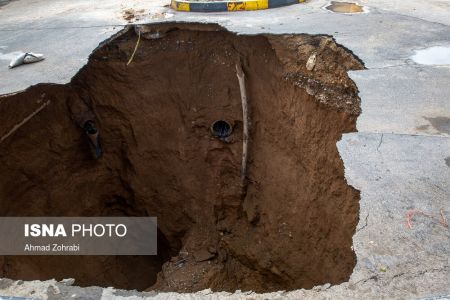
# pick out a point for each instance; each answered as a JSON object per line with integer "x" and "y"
{"x": 135, "y": 48}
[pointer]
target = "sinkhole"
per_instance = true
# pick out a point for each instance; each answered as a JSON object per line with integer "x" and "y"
{"x": 286, "y": 224}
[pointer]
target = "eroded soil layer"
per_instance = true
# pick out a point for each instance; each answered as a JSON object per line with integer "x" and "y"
{"x": 289, "y": 227}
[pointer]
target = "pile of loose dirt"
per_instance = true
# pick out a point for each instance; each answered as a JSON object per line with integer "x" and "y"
{"x": 293, "y": 226}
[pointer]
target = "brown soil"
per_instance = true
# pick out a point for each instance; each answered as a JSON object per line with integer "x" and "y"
{"x": 293, "y": 226}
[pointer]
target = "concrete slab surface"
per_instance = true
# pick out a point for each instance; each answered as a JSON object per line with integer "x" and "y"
{"x": 418, "y": 101}
{"x": 399, "y": 159}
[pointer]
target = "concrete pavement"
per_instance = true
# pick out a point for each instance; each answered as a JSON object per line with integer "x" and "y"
{"x": 398, "y": 159}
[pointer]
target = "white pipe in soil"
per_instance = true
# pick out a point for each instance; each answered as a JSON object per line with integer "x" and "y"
{"x": 241, "y": 77}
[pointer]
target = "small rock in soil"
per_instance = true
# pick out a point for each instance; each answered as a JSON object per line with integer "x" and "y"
{"x": 203, "y": 255}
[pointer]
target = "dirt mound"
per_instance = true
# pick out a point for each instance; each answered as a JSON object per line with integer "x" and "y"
{"x": 293, "y": 225}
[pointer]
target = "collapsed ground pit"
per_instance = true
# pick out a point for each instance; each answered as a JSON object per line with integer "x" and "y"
{"x": 289, "y": 227}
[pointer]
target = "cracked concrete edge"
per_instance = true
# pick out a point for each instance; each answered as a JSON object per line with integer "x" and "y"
{"x": 365, "y": 288}
{"x": 390, "y": 257}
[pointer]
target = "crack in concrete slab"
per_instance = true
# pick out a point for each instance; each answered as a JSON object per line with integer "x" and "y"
{"x": 381, "y": 141}
{"x": 365, "y": 225}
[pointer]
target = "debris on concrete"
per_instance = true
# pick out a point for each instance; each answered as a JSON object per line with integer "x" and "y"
{"x": 25, "y": 58}
{"x": 131, "y": 15}
{"x": 440, "y": 218}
